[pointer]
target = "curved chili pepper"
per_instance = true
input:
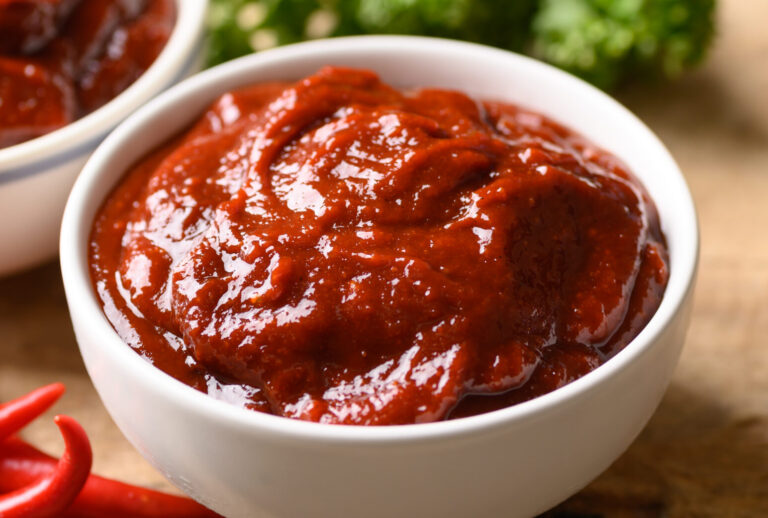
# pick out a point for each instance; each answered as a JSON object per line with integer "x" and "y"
{"x": 16, "y": 414}
{"x": 21, "y": 464}
{"x": 51, "y": 494}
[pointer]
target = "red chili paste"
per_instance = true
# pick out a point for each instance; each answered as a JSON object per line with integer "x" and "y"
{"x": 62, "y": 59}
{"x": 338, "y": 251}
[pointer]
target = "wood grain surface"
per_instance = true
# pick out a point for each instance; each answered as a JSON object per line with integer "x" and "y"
{"x": 705, "y": 451}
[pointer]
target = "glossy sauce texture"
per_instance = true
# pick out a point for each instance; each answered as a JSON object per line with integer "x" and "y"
{"x": 62, "y": 59}
{"x": 335, "y": 250}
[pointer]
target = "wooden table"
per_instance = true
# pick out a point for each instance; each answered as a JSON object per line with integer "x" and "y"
{"x": 705, "y": 452}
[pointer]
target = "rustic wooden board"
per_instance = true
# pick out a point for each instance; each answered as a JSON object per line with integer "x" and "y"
{"x": 705, "y": 452}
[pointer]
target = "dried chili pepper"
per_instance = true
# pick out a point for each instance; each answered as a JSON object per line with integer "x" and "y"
{"x": 16, "y": 414}
{"x": 51, "y": 494}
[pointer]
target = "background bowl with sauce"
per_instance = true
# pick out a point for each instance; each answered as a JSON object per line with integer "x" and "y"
{"x": 36, "y": 175}
{"x": 517, "y": 461}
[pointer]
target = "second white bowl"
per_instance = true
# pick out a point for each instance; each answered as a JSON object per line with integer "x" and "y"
{"x": 36, "y": 176}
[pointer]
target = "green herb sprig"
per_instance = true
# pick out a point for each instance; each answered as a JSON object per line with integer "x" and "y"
{"x": 606, "y": 42}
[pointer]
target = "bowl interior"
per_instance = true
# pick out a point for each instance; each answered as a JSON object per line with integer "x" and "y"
{"x": 404, "y": 62}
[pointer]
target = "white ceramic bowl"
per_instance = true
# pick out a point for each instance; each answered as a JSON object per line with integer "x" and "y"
{"x": 513, "y": 462}
{"x": 36, "y": 176}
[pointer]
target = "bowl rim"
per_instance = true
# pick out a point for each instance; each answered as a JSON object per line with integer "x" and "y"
{"x": 76, "y": 274}
{"x": 178, "y": 55}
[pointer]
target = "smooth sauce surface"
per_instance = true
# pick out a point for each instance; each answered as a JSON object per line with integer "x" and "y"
{"x": 338, "y": 251}
{"x": 62, "y": 59}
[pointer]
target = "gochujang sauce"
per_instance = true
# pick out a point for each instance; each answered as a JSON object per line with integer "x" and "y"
{"x": 62, "y": 59}
{"x": 336, "y": 250}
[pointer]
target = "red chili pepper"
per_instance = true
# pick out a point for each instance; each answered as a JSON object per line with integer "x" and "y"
{"x": 16, "y": 414}
{"x": 20, "y": 464}
{"x": 51, "y": 494}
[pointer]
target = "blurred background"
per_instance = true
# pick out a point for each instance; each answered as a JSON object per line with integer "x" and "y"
{"x": 607, "y": 42}
{"x": 697, "y": 73}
